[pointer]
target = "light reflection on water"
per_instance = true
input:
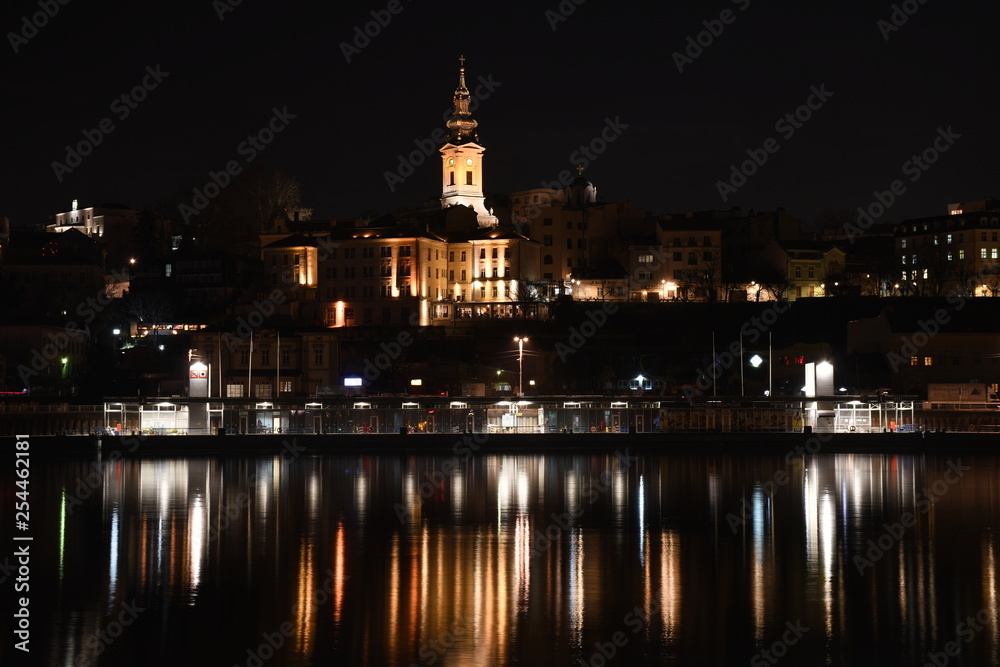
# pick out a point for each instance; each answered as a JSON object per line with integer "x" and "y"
{"x": 380, "y": 560}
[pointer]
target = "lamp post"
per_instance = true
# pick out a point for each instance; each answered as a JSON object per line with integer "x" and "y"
{"x": 520, "y": 340}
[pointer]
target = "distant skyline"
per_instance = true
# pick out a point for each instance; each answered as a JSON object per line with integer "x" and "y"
{"x": 211, "y": 74}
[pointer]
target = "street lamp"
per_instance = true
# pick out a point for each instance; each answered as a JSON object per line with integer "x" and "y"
{"x": 520, "y": 340}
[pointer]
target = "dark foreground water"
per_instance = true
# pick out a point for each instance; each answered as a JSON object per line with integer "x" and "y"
{"x": 514, "y": 560}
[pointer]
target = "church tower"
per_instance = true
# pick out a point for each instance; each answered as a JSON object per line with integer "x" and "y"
{"x": 462, "y": 158}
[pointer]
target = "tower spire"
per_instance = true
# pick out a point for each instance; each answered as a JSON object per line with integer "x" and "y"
{"x": 461, "y": 125}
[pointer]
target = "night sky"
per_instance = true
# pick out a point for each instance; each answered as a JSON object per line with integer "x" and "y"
{"x": 553, "y": 90}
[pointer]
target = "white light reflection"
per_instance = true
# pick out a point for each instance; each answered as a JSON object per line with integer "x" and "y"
{"x": 642, "y": 519}
{"x": 113, "y": 557}
{"x": 576, "y": 599}
{"x": 196, "y": 540}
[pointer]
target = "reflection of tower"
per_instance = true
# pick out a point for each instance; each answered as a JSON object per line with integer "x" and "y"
{"x": 462, "y": 158}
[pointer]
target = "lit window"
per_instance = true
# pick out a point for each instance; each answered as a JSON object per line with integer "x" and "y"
{"x": 913, "y": 361}
{"x": 928, "y": 361}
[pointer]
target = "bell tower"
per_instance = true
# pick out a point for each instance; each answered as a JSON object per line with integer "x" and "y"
{"x": 462, "y": 157}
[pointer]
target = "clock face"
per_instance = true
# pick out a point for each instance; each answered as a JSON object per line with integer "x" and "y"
{"x": 451, "y": 162}
{"x": 468, "y": 161}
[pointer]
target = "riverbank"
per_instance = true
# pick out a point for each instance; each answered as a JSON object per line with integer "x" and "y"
{"x": 295, "y": 446}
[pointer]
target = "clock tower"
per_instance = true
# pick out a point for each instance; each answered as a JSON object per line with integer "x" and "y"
{"x": 462, "y": 158}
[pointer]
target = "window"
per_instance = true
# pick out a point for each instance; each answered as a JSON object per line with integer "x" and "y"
{"x": 386, "y": 251}
{"x": 925, "y": 274}
{"x": 463, "y": 255}
{"x": 904, "y": 259}
{"x": 244, "y": 357}
{"x": 468, "y": 178}
{"x": 286, "y": 357}
{"x": 451, "y": 178}
{"x": 495, "y": 291}
{"x": 677, "y": 257}
{"x": 914, "y": 361}
{"x": 950, "y": 257}
{"x": 812, "y": 271}
{"x": 234, "y": 390}
{"x": 645, "y": 259}
{"x": 581, "y": 244}
{"x": 367, "y": 252}
{"x": 569, "y": 225}
{"x": 318, "y": 352}
{"x": 482, "y": 253}
{"x": 348, "y": 253}
{"x": 386, "y": 315}
{"x": 451, "y": 275}
{"x": 692, "y": 258}
{"x": 451, "y": 256}
{"x": 366, "y": 316}
{"x": 982, "y": 253}
{"x": 285, "y": 387}
{"x": 706, "y": 256}
{"x": 902, "y": 244}
{"x": 547, "y": 259}
{"x": 928, "y": 361}
{"x": 982, "y": 236}
{"x": 569, "y": 244}
{"x": 404, "y": 251}
{"x": 961, "y": 254}
{"x": 386, "y": 291}
{"x": 547, "y": 222}
{"x": 993, "y": 254}
{"x": 949, "y": 238}
{"x": 798, "y": 271}
{"x": 495, "y": 253}
{"x": 265, "y": 356}
{"x": 482, "y": 292}
{"x": 495, "y": 275}
{"x": 993, "y": 236}
{"x": 506, "y": 253}
{"x": 463, "y": 275}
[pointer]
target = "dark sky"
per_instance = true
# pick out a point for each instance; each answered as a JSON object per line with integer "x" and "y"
{"x": 554, "y": 90}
